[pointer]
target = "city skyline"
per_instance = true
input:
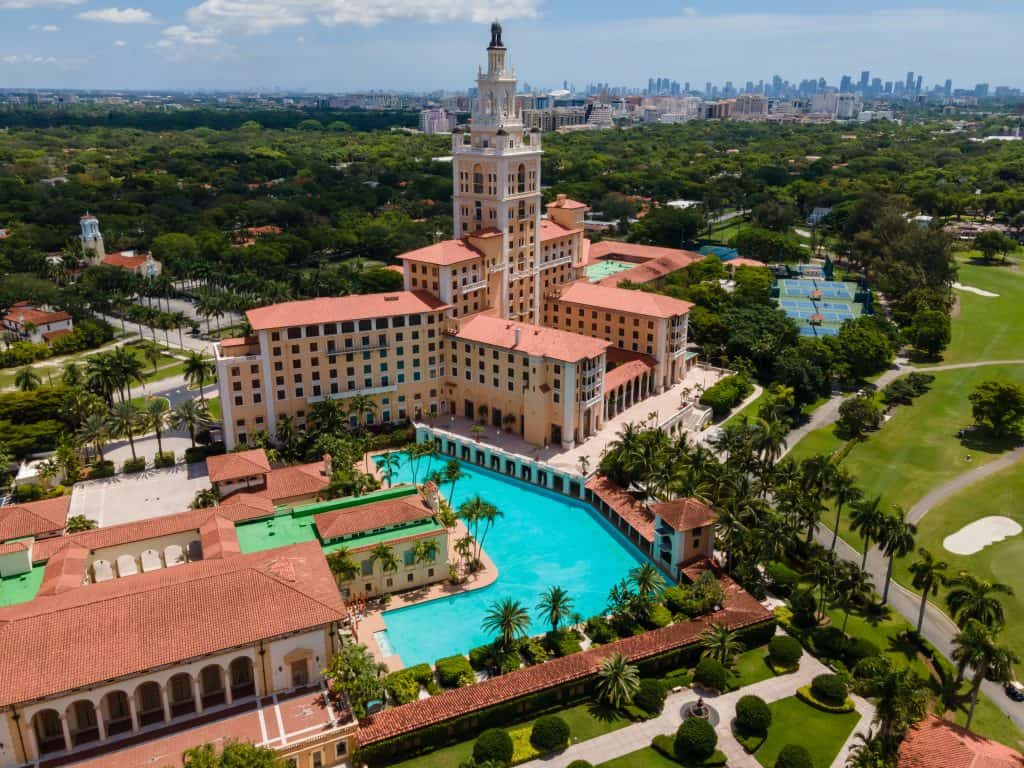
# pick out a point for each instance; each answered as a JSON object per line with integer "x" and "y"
{"x": 329, "y": 46}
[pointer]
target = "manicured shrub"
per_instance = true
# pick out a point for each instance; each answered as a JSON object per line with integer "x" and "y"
{"x": 650, "y": 697}
{"x": 480, "y": 657}
{"x": 134, "y": 466}
{"x": 711, "y": 674}
{"x": 830, "y": 642}
{"x": 28, "y": 492}
{"x": 695, "y": 740}
{"x": 509, "y": 662}
{"x": 580, "y": 764}
{"x": 402, "y": 687}
{"x": 533, "y": 651}
{"x": 454, "y": 672}
{"x": 782, "y": 578}
{"x": 794, "y": 756}
{"x": 563, "y": 643}
{"x": 549, "y": 733}
{"x": 493, "y": 745}
{"x": 726, "y": 393}
{"x": 101, "y": 469}
{"x": 164, "y": 460}
{"x": 804, "y": 605}
{"x": 859, "y": 648}
{"x": 659, "y": 616}
{"x": 600, "y": 631}
{"x": 784, "y": 651}
{"x": 753, "y": 716}
{"x": 870, "y": 667}
{"x": 830, "y": 689}
{"x": 676, "y": 597}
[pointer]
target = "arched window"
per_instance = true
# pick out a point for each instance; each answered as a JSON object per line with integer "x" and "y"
{"x": 521, "y": 178}
{"x": 49, "y": 734}
{"x": 149, "y": 703}
{"x": 241, "y": 675}
{"x": 117, "y": 715}
{"x": 83, "y": 722}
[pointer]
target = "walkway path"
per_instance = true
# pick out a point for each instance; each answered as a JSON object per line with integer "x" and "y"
{"x": 943, "y": 492}
{"x": 639, "y": 735}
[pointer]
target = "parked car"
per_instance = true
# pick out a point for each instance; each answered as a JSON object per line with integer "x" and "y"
{"x": 1015, "y": 690}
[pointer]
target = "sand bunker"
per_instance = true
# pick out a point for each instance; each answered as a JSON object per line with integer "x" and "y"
{"x": 978, "y": 291}
{"x": 974, "y": 537}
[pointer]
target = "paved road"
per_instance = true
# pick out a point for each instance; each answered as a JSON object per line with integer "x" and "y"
{"x": 170, "y": 338}
{"x": 639, "y": 735}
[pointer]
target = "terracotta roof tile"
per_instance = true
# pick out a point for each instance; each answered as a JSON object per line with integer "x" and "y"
{"x": 365, "y": 517}
{"x": 296, "y": 481}
{"x": 342, "y": 308}
{"x": 444, "y": 253}
{"x": 744, "y": 262}
{"x": 623, "y": 300}
{"x": 234, "y": 466}
{"x": 15, "y": 546}
{"x": 533, "y": 339}
{"x": 614, "y": 249}
{"x": 29, "y": 314}
{"x": 567, "y": 203}
{"x": 65, "y": 570}
{"x": 740, "y": 610}
{"x": 218, "y": 538}
{"x": 935, "y": 743}
{"x": 125, "y": 259}
{"x": 652, "y": 270}
{"x": 684, "y": 514}
{"x": 625, "y": 505}
{"x": 34, "y": 518}
{"x": 163, "y": 617}
{"x": 550, "y": 230}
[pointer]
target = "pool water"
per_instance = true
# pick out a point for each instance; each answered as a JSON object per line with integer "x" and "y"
{"x": 544, "y": 539}
{"x": 383, "y": 642}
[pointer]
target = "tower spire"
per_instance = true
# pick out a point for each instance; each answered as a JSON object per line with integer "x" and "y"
{"x": 496, "y": 35}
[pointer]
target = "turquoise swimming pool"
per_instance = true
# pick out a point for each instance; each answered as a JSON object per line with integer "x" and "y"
{"x": 545, "y": 539}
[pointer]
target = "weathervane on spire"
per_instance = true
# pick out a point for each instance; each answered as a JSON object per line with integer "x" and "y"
{"x": 496, "y": 35}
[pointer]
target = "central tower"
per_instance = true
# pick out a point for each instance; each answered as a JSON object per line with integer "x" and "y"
{"x": 496, "y": 178}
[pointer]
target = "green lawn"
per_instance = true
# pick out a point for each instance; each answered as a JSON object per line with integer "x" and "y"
{"x": 142, "y": 401}
{"x": 794, "y": 722}
{"x": 213, "y": 406}
{"x": 751, "y": 667}
{"x": 819, "y": 441}
{"x": 584, "y": 720}
{"x": 648, "y": 757}
{"x": 988, "y": 328}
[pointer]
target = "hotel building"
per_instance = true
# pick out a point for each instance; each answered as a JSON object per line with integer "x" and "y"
{"x": 498, "y": 325}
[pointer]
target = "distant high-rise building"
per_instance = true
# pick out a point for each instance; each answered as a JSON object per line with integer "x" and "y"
{"x": 981, "y": 90}
{"x": 845, "y": 84}
{"x": 909, "y": 85}
{"x": 435, "y": 120}
{"x": 865, "y": 77}
{"x": 917, "y": 85}
{"x": 948, "y": 89}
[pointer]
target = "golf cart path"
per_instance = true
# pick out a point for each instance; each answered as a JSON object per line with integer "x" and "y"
{"x": 937, "y": 495}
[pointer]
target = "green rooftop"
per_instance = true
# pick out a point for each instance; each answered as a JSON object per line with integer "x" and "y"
{"x": 21, "y": 589}
{"x": 599, "y": 270}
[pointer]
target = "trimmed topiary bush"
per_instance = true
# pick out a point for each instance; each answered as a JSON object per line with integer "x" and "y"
{"x": 782, "y": 578}
{"x": 830, "y": 689}
{"x": 695, "y": 740}
{"x": 164, "y": 460}
{"x": 580, "y": 764}
{"x": 454, "y": 672}
{"x": 101, "y": 469}
{"x": 804, "y": 605}
{"x": 600, "y": 631}
{"x": 480, "y": 657}
{"x": 533, "y": 651}
{"x": 794, "y": 756}
{"x": 549, "y": 733}
{"x": 753, "y": 716}
{"x": 871, "y": 667}
{"x": 858, "y": 648}
{"x": 563, "y": 643}
{"x": 494, "y": 745}
{"x": 711, "y": 674}
{"x": 659, "y": 616}
{"x": 830, "y": 642}
{"x": 134, "y": 466}
{"x": 650, "y": 697}
{"x": 785, "y": 651}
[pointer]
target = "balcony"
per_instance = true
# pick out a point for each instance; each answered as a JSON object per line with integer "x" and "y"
{"x": 556, "y": 262}
{"x": 335, "y": 351}
{"x": 352, "y": 393}
{"x": 475, "y": 286}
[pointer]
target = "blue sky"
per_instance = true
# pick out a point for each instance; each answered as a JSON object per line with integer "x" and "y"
{"x": 335, "y": 45}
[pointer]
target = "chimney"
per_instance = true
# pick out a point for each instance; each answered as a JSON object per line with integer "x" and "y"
{"x": 560, "y": 199}
{"x": 518, "y": 336}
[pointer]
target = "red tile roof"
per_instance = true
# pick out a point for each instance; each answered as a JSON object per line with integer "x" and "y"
{"x": 51, "y": 335}
{"x": 623, "y": 300}
{"x": 550, "y": 230}
{"x": 218, "y": 538}
{"x": 395, "y": 268}
{"x": 685, "y": 514}
{"x": 444, "y": 253}
{"x": 163, "y": 617}
{"x": 567, "y": 203}
{"x": 742, "y": 261}
{"x": 22, "y": 315}
{"x": 125, "y": 259}
{"x": 739, "y": 610}
{"x": 239, "y": 341}
{"x": 365, "y": 517}
{"x": 614, "y": 249}
{"x": 627, "y": 506}
{"x": 340, "y": 309}
{"x": 297, "y": 481}
{"x": 652, "y": 270}
{"x": 11, "y": 547}
{"x": 34, "y": 518}
{"x": 533, "y": 339}
{"x": 935, "y": 743}
{"x": 65, "y": 570}
{"x": 234, "y": 466}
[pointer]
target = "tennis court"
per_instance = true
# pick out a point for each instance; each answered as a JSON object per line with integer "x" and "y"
{"x": 819, "y": 307}
{"x": 824, "y": 288}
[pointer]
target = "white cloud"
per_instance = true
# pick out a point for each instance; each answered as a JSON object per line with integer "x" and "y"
{"x": 689, "y": 12}
{"x": 23, "y": 60}
{"x": 181, "y": 34}
{"x": 44, "y": 28}
{"x": 118, "y": 16}
{"x": 120, "y": 43}
{"x": 22, "y": 4}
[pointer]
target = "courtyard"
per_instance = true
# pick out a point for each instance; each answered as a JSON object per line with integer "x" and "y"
{"x": 129, "y": 498}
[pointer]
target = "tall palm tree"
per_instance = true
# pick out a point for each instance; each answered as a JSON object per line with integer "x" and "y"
{"x": 125, "y": 420}
{"x": 26, "y": 379}
{"x": 359, "y": 406}
{"x": 973, "y": 598}
{"x": 452, "y": 474}
{"x": 101, "y": 376}
{"x": 154, "y": 417}
{"x": 647, "y": 581}
{"x": 72, "y": 375}
{"x": 384, "y": 555}
{"x": 342, "y": 565}
{"x": 508, "y": 619}
{"x": 851, "y": 587}
{"x": 896, "y": 538}
{"x": 152, "y": 354}
{"x": 425, "y": 551}
{"x": 205, "y": 498}
{"x": 94, "y": 431}
{"x": 127, "y": 369}
{"x": 389, "y": 464}
{"x": 720, "y": 643}
{"x": 617, "y": 681}
{"x": 977, "y": 646}
{"x": 868, "y": 751}
{"x": 844, "y": 492}
{"x": 928, "y": 574}
{"x": 866, "y": 519}
{"x": 901, "y": 700}
{"x": 198, "y": 370}
{"x": 476, "y": 512}
{"x": 189, "y": 416}
{"x": 555, "y": 605}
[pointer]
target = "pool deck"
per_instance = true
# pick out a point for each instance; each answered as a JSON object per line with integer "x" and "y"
{"x": 373, "y": 621}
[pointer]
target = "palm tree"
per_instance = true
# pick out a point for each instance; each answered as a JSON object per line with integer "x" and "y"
{"x": 72, "y": 375}
{"x": 154, "y": 417}
{"x": 508, "y": 619}
{"x": 198, "y": 370}
{"x": 617, "y": 681}
{"x": 901, "y": 700}
{"x": 973, "y": 598}
{"x": 866, "y": 519}
{"x": 896, "y": 538}
{"x": 127, "y": 368}
{"x": 342, "y": 565}
{"x": 977, "y": 646}
{"x": 101, "y": 376}
{"x": 205, "y": 498}
{"x": 720, "y": 643}
{"x": 452, "y": 474}
{"x": 555, "y": 605}
{"x": 389, "y": 464}
{"x": 928, "y": 576}
{"x": 867, "y": 752}
{"x": 425, "y": 551}
{"x": 851, "y": 587}
{"x": 359, "y": 406}
{"x": 152, "y": 354}
{"x": 189, "y": 416}
{"x": 26, "y": 379}
{"x": 647, "y": 581}
{"x": 384, "y": 555}
{"x": 843, "y": 492}
{"x": 584, "y": 465}
{"x": 94, "y": 431}
{"x": 125, "y": 419}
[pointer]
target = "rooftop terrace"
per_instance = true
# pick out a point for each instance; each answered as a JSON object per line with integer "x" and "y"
{"x": 21, "y": 588}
